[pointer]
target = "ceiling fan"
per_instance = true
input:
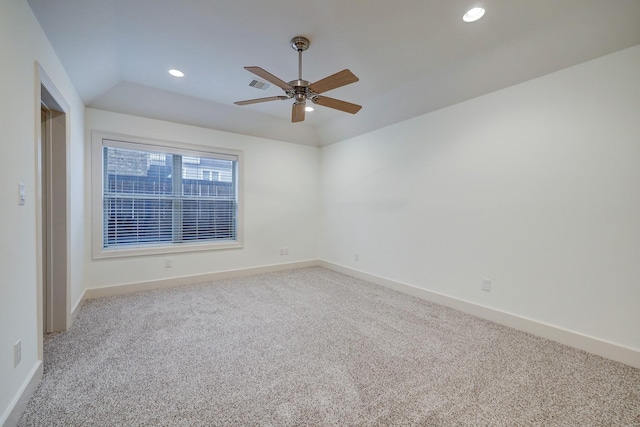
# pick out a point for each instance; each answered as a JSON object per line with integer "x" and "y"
{"x": 301, "y": 90}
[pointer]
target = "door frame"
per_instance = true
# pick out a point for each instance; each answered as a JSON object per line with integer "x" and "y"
{"x": 52, "y": 203}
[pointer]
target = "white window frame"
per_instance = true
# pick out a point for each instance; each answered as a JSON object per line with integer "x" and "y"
{"x": 185, "y": 149}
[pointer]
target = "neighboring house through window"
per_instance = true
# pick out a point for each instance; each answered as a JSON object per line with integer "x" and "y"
{"x": 208, "y": 175}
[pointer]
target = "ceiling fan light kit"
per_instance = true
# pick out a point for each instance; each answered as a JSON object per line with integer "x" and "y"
{"x": 301, "y": 90}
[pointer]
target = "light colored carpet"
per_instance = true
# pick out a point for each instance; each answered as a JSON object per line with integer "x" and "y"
{"x": 314, "y": 347}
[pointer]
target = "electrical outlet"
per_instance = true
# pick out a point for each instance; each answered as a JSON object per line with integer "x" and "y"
{"x": 168, "y": 263}
{"x": 284, "y": 251}
{"x": 17, "y": 353}
{"x": 356, "y": 257}
{"x": 486, "y": 285}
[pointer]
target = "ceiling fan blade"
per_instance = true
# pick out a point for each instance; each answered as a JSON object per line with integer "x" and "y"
{"x": 269, "y": 77}
{"x": 341, "y": 78}
{"x": 297, "y": 113}
{"x": 255, "y": 101}
{"x": 337, "y": 104}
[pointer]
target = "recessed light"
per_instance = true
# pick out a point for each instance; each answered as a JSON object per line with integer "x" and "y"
{"x": 176, "y": 73}
{"x": 473, "y": 14}
{"x": 308, "y": 108}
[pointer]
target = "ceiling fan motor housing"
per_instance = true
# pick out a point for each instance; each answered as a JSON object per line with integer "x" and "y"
{"x": 300, "y": 90}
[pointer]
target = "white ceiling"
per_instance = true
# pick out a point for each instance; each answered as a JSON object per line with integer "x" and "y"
{"x": 412, "y": 56}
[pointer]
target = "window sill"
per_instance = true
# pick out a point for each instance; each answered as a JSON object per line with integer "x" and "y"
{"x": 135, "y": 251}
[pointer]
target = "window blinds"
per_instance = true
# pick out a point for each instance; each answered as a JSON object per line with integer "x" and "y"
{"x": 160, "y": 196}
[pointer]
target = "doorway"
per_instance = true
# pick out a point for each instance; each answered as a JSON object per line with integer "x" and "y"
{"x": 53, "y": 209}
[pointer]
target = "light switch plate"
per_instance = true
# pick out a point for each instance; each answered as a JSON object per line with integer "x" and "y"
{"x": 22, "y": 196}
{"x": 17, "y": 353}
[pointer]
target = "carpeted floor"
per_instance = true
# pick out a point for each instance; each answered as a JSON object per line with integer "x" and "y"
{"x": 314, "y": 347}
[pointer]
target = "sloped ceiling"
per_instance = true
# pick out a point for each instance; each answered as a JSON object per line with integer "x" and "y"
{"x": 412, "y": 56}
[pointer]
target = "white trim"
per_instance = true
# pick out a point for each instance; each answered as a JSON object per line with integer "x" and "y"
{"x": 16, "y": 408}
{"x": 78, "y": 306}
{"x": 190, "y": 280}
{"x": 164, "y": 249}
{"x": 45, "y": 80}
{"x": 55, "y": 102}
{"x": 613, "y": 351}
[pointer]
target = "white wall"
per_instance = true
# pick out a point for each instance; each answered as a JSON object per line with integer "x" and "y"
{"x": 535, "y": 187}
{"x": 281, "y": 194}
{"x": 22, "y": 43}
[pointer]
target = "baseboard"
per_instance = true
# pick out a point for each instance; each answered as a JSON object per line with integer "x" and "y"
{"x": 77, "y": 307}
{"x": 189, "y": 280}
{"x": 587, "y": 343}
{"x": 19, "y": 403}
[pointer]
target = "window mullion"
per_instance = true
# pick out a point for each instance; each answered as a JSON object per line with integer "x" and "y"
{"x": 177, "y": 213}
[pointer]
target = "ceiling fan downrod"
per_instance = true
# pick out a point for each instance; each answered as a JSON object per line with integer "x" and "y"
{"x": 300, "y": 44}
{"x": 300, "y": 87}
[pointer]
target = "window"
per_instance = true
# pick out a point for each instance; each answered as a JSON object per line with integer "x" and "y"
{"x": 210, "y": 175}
{"x": 157, "y": 197}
